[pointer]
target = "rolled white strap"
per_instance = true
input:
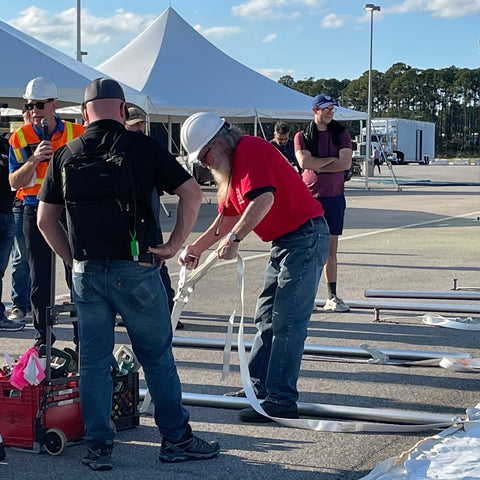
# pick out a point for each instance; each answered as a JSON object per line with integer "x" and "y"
{"x": 186, "y": 285}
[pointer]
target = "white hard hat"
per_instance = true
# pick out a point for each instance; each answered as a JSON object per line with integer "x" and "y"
{"x": 198, "y": 130}
{"x": 40, "y": 88}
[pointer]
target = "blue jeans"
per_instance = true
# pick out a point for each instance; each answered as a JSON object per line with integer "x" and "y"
{"x": 7, "y": 232}
{"x": 20, "y": 269}
{"x": 284, "y": 308}
{"x": 138, "y": 295}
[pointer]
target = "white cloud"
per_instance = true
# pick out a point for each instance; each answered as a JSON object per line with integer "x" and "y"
{"x": 439, "y": 8}
{"x": 273, "y": 9}
{"x": 59, "y": 29}
{"x": 270, "y": 38}
{"x": 217, "y": 32}
{"x": 332, "y": 21}
{"x": 275, "y": 73}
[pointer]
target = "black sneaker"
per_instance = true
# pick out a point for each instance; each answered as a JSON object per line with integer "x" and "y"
{"x": 99, "y": 457}
{"x": 273, "y": 409}
{"x": 7, "y": 325}
{"x": 189, "y": 447}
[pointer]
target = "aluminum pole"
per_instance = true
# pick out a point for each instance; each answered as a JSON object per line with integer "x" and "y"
{"x": 219, "y": 343}
{"x": 388, "y": 415}
{"x": 449, "y": 295}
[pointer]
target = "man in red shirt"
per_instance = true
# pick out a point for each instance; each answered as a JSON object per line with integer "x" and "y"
{"x": 259, "y": 191}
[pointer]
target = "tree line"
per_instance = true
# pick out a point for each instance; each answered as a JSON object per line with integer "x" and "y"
{"x": 449, "y": 97}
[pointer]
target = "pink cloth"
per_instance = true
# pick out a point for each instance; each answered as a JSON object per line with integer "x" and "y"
{"x": 18, "y": 379}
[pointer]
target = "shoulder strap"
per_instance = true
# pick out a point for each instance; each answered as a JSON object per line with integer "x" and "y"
{"x": 122, "y": 141}
{"x": 76, "y": 145}
{"x": 335, "y": 130}
{"x": 310, "y": 134}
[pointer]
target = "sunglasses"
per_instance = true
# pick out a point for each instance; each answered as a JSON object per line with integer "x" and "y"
{"x": 204, "y": 158}
{"x": 39, "y": 105}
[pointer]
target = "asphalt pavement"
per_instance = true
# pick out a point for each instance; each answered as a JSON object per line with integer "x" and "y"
{"x": 424, "y": 237}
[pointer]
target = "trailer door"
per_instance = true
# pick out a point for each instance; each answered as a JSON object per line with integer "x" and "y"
{"x": 418, "y": 146}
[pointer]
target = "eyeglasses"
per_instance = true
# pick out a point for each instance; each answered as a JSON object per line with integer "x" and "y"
{"x": 204, "y": 158}
{"x": 39, "y": 105}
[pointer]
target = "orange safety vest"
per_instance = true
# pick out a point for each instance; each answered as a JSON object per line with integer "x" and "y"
{"x": 26, "y": 135}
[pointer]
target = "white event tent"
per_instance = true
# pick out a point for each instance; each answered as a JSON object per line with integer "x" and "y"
{"x": 23, "y": 58}
{"x": 183, "y": 73}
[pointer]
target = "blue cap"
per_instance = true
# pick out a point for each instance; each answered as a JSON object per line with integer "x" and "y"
{"x": 323, "y": 101}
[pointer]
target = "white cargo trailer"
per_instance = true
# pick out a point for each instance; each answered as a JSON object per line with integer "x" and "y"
{"x": 402, "y": 140}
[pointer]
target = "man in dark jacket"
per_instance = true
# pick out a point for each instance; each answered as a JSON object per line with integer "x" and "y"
{"x": 110, "y": 244}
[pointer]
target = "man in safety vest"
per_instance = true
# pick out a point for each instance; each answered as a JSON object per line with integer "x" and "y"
{"x": 31, "y": 148}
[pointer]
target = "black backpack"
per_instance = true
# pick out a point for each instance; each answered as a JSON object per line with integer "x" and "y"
{"x": 100, "y": 199}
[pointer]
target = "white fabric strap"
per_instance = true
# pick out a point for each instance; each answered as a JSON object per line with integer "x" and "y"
{"x": 468, "y": 323}
{"x": 186, "y": 285}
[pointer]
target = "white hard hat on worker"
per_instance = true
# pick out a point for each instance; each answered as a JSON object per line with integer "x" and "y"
{"x": 41, "y": 95}
{"x": 198, "y": 130}
{"x": 40, "y": 88}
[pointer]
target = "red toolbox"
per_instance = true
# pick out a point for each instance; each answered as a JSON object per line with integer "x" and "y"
{"x": 38, "y": 416}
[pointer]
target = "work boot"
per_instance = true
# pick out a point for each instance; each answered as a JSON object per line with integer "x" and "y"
{"x": 99, "y": 457}
{"x": 189, "y": 447}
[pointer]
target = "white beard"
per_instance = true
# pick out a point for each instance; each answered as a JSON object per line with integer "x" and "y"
{"x": 222, "y": 178}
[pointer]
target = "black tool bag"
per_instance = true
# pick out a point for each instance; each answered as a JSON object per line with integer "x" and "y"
{"x": 100, "y": 200}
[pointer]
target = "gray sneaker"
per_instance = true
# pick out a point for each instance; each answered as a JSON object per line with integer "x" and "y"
{"x": 336, "y": 304}
{"x": 189, "y": 447}
{"x": 99, "y": 457}
{"x": 10, "y": 326}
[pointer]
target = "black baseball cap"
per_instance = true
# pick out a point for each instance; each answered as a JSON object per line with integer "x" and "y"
{"x": 103, "y": 88}
{"x": 3, "y": 105}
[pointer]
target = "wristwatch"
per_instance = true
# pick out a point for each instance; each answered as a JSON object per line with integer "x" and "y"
{"x": 234, "y": 238}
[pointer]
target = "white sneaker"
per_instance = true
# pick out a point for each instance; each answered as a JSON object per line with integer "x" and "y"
{"x": 336, "y": 304}
{"x": 16, "y": 314}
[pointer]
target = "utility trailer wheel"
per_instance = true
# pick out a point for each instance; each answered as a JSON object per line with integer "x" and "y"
{"x": 56, "y": 441}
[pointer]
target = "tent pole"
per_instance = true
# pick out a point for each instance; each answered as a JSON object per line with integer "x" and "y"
{"x": 310, "y": 349}
{"x": 169, "y": 134}
{"x": 323, "y": 410}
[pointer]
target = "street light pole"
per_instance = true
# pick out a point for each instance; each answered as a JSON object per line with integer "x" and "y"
{"x": 80, "y": 54}
{"x": 372, "y": 8}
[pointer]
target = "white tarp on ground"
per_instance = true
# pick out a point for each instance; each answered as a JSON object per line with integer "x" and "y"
{"x": 23, "y": 57}
{"x": 452, "y": 455}
{"x": 184, "y": 73}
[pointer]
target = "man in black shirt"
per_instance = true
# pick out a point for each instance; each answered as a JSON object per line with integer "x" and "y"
{"x": 283, "y": 142}
{"x": 126, "y": 279}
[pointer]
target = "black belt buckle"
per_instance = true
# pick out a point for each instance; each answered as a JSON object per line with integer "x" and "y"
{"x": 146, "y": 259}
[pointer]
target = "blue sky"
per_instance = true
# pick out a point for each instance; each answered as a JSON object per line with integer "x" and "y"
{"x": 301, "y": 38}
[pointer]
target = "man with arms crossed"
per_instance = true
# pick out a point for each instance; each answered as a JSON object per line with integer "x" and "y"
{"x": 324, "y": 151}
